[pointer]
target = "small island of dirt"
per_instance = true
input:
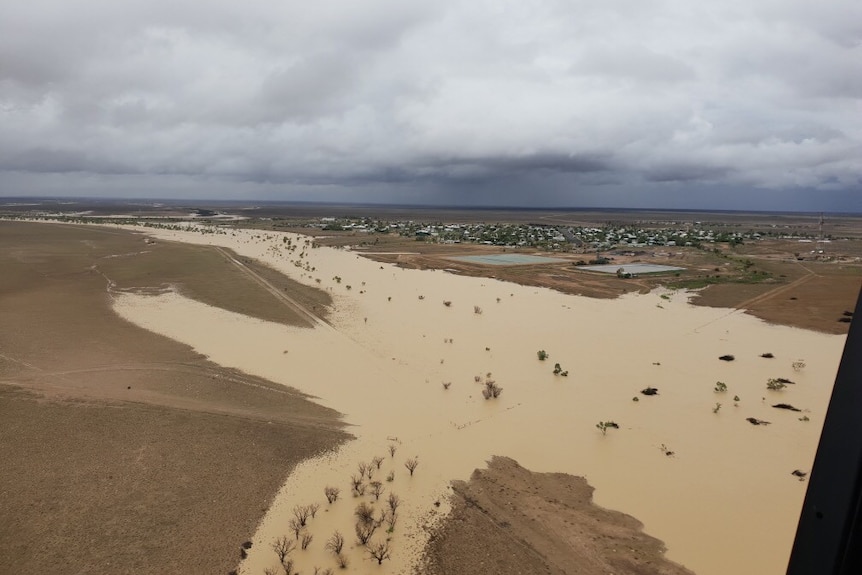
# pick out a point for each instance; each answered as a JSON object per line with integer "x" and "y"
{"x": 507, "y": 519}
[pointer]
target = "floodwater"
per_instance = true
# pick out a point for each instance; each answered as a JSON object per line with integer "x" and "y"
{"x": 724, "y": 502}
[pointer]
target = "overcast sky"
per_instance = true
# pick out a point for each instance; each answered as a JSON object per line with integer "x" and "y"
{"x": 623, "y": 103}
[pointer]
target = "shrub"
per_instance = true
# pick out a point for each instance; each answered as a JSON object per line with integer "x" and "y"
{"x": 603, "y": 426}
{"x": 492, "y": 390}
{"x": 775, "y": 385}
{"x": 331, "y": 493}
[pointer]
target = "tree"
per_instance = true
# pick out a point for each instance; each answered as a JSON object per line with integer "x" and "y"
{"x": 313, "y": 509}
{"x": 376, "y": 489}
{"x": 542, "y": 354}
{"x": 282, "y": 547}
{"x": 391, "y": 518}
{"x": 306, "y": 540}
{"x": 364, "y": 512}
{"x": 331, "y": 493}
{"x": 357, "y": 486}
{"x": 335, "y": 543}
{"x": 720, "y": 387}
{"x": 392, "y": 449}
{"x": 363, "y": 468}
{"x": 364, "y": 531}
{"x": 301, "y": 513}
{"x": 377, "y": 461}
{"x": 295, "y": 526}
{"x": 394, "y": 501}
{"x": 342, "y": 560}
{"x": 411, "y": 465}
{"x": 379, "y": 551}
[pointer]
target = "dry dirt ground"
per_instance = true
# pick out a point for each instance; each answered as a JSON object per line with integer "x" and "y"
{"x": 507, "y": 519}
{"x": 124, "y": 451}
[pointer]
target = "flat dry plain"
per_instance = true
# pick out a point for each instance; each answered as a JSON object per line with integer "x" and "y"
{"x": 124, "y": 451}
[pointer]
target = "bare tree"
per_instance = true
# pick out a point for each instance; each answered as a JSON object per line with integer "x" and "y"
{"x": 313, "y": 509}
{"x": 392, "y": 449}
{"x": 391, "y": 520}
{"x": 342, "y": 560}
{"x": 282, "y": 547}
{"x": 446, "y": 384}
{"x": 377, "y": 461}
{"x": 411, "y": 465}
{"x": 394, "y": 501}
{"x": 295, "y": 526}
{"x": 301, "y": 513}
{"x": 357, "y": 486}
{"x": 364, "y": 531}
{"x": 335, "y": 543}
{"x": 379, "y": 550}
{"x": 376, "y": 489}
{"x": 288, "y": 566}
{"x": 306, "y": 540}
{"x": 363, "y": 468}
{"x": 331, "y": 493}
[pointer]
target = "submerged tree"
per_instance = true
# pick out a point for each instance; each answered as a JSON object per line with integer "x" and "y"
{"x": 282, "y": 547}
{"x": 331, "y": 493}
{"x": 379, "y": 550}
{"x": 335, "y": 543}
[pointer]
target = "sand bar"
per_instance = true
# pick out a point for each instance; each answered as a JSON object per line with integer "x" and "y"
{"x": 725, "y": 502}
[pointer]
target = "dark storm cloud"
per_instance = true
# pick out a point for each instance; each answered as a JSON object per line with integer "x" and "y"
{"x": 621, "y": 101}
